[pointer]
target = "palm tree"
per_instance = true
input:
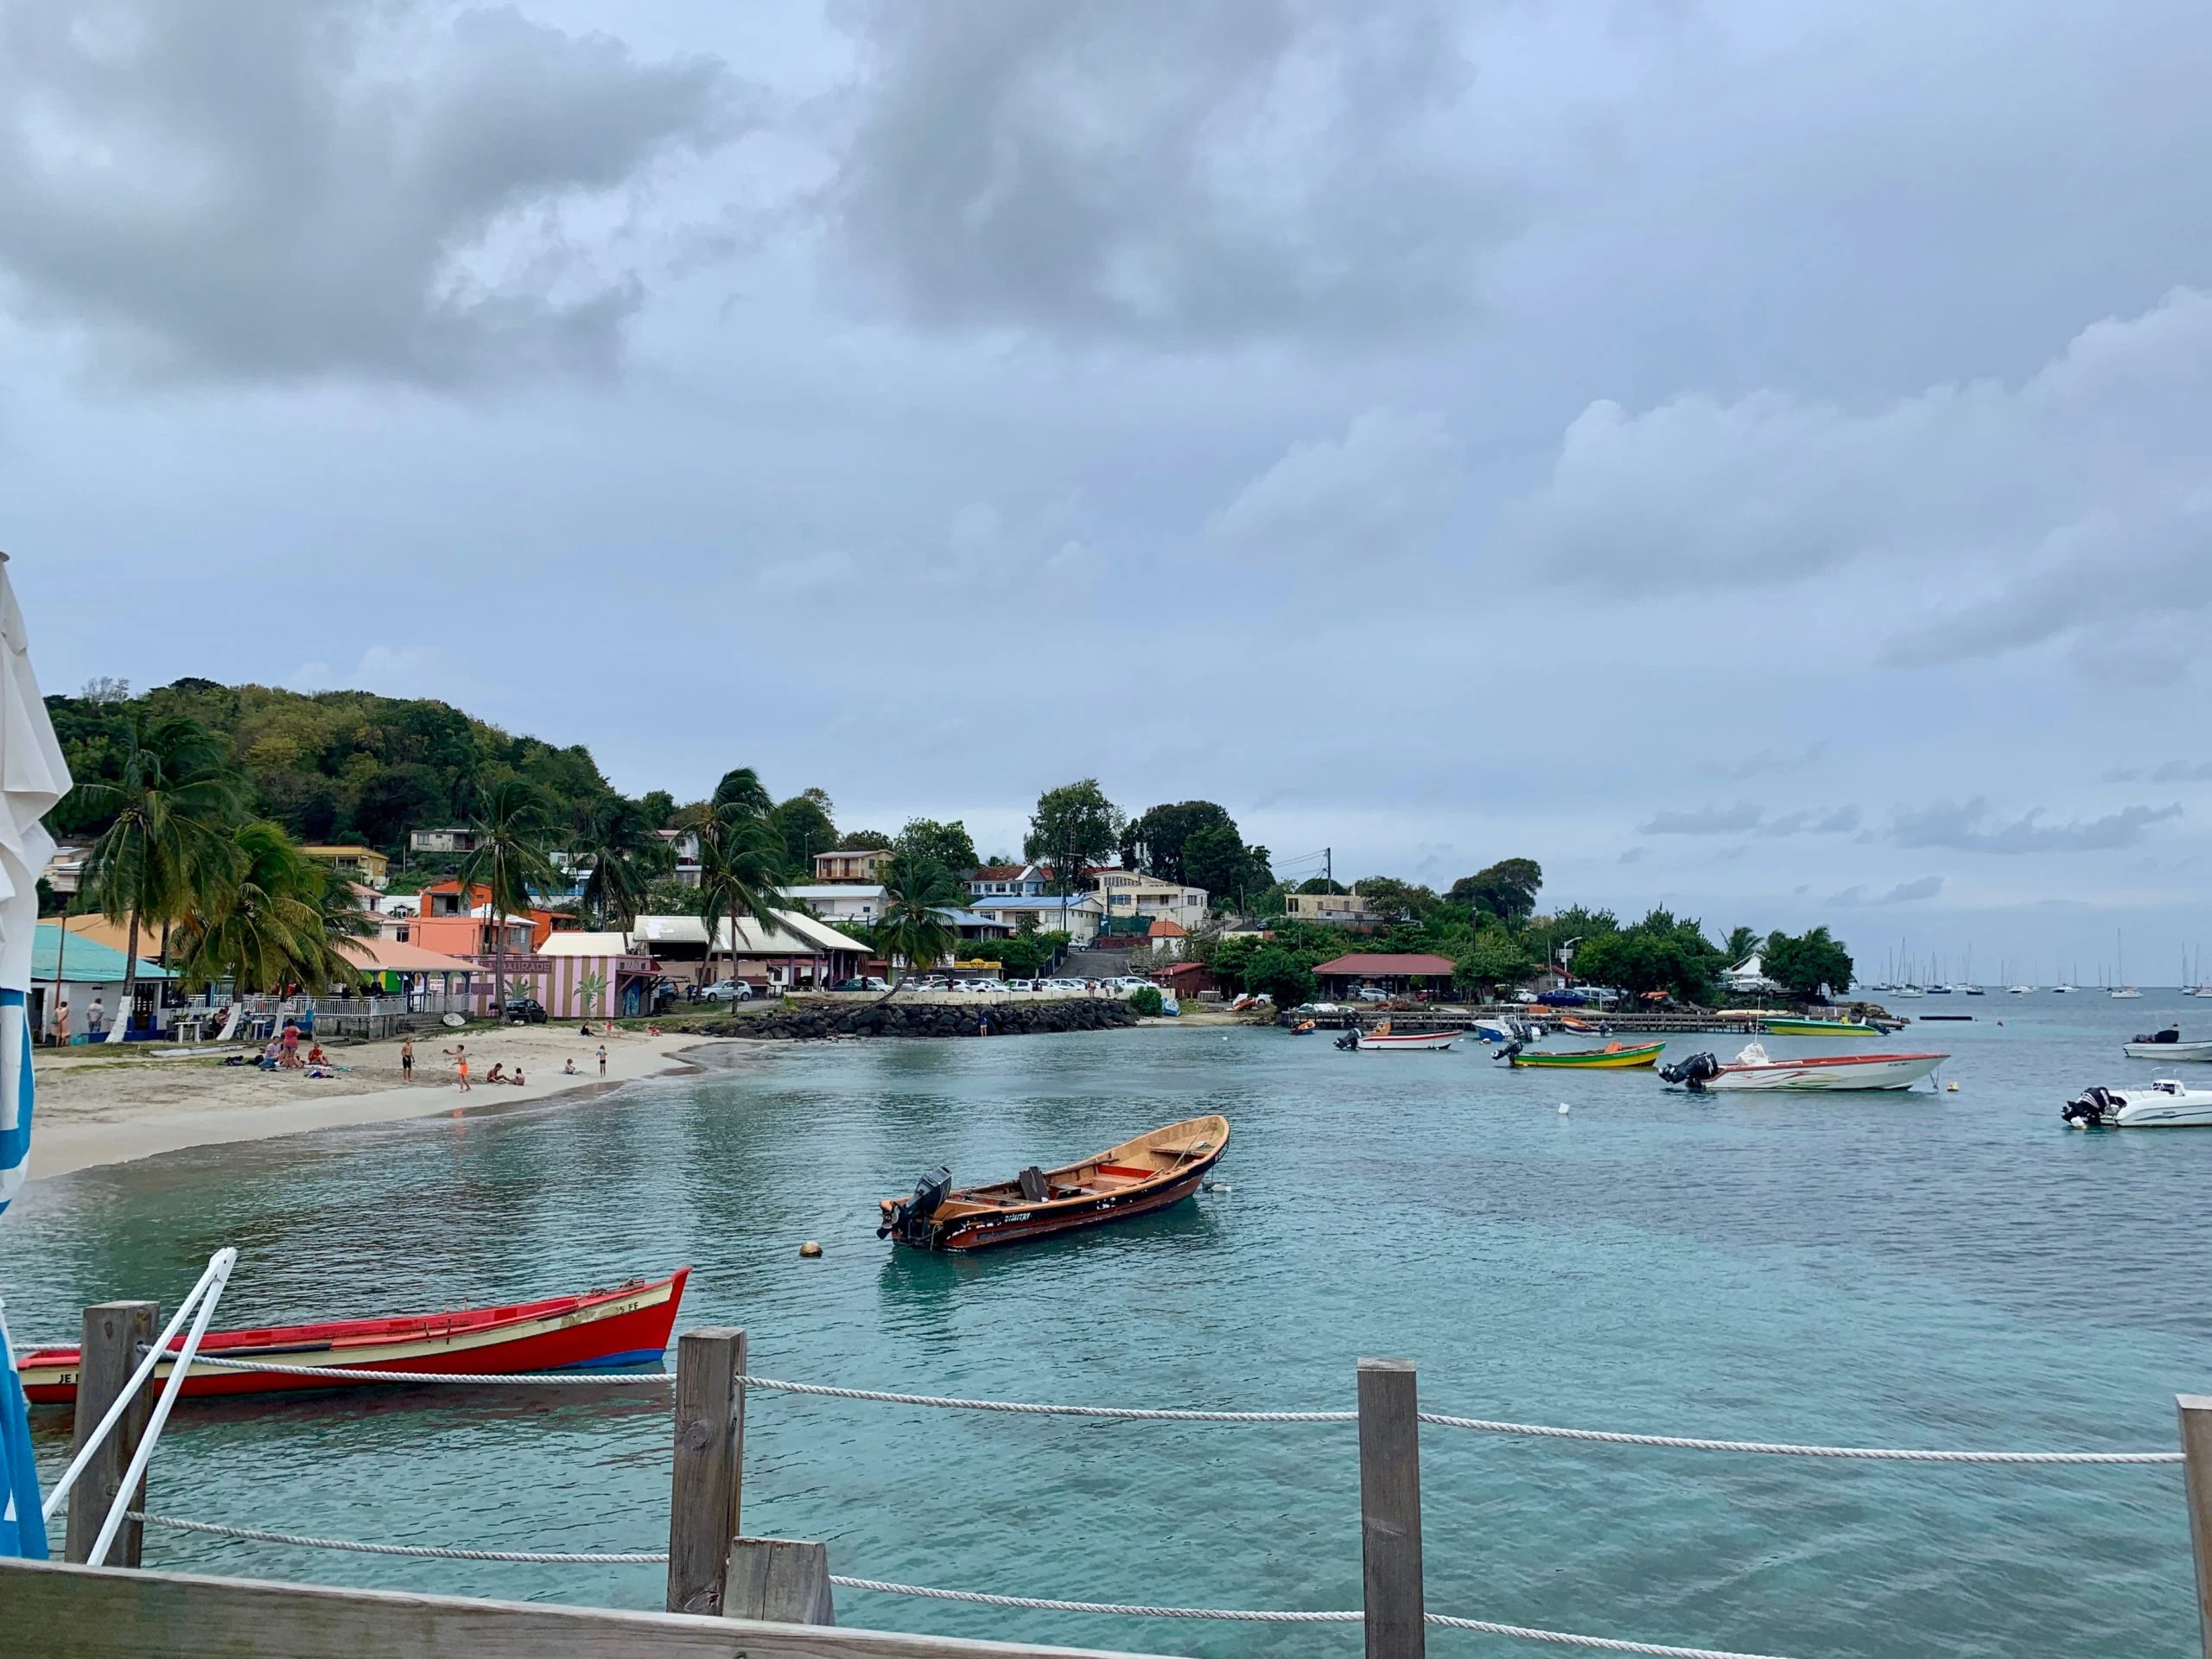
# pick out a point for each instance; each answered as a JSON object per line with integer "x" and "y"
{"x": 624, "y": 852}
{"x": 165, "y": 852}
{"x": 916, "y": 893}
{"x": 740, "y": 867}
{"x": 270, "y": 924}
{"x": 508, "y": 860}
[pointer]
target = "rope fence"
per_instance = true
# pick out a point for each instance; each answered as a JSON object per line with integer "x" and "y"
{"x": 1155, "y": 1414}
{"x": 979, "y": 1598}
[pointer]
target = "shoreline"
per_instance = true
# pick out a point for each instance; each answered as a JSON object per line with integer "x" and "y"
{"x": 95, "y": 1112}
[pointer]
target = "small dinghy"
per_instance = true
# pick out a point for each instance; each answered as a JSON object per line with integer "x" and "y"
{"x": 2165, "y": 1045}
{"x": 627, "y": 1325}
{"x": 1784, "y": 1025}
{"x": 1753, "y": 1070}
{"x": 2166, "y": 1104}
{"x": 1612, "y": 1058}
{"x": 1383, "y": 1040}
{"x": 1134, "y": 1179}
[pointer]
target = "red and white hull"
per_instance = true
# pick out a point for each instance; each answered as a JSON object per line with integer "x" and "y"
{"x": 625, "y": 1326}
{"x": 1839, "y": 1071}
{"x": 1406, "y": 1042}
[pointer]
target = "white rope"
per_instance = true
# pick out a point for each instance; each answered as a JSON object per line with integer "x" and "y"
{"x": 1785, "y": 1449}
{"x": 349, "y": 1374}
{"x": 1606, "y": 1644}
{"x": 1046, "y": 1604}
{"x": 1268, "y": 1616}
{"x": 638, "y": 1558}
{"x": 1027, "y": 1409}
{"x": 1132, "y": 1609}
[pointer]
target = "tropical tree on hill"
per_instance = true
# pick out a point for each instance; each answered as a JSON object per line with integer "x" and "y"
{"x": 1812, "y": 964}
{"x": 625, "y": 854}
{"x": 741, "y": 788}
{"x": 1506, "y": 890}
{"x": 508, "y": 860}
{"x": 740, "y": 868}
{"x": 916, "y": 893}
{"x": 949, "y": 844}
{"x": 165, "y": 850}
{"x": 1074, "y": 827}
{"x": 807, "y": 828}
{"x": 279, "y": 919}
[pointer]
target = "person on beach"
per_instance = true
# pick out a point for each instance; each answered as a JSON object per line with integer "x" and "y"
{"x": 602, "y": 1059}
{"x": 497, "y": 1073}
{"x": 316, "y": 1057}
{"x": 568, "y": 1066}
{"x": 458, "y": 1052}
{"x": 61, "y": 1024}
{"x": 95, "y": 1018}
{"x": 517, "y": 1079}
{"x": 290, "y": 1044}
{"x": 407, "y": 1058}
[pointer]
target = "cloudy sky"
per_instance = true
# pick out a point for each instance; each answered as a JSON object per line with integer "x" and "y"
{"x": 1751, "y": 457}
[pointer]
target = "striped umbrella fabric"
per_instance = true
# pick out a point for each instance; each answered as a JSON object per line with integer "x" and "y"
{"x": 33, "y": 777}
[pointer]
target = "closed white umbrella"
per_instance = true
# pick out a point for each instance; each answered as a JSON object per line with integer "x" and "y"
{"x": 33, "y": 777}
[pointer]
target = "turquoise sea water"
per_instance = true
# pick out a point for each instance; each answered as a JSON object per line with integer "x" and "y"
{"x": 1931, "y": 1270}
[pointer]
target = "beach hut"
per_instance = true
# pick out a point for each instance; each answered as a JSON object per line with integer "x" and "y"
{"x": 86, "y": 972}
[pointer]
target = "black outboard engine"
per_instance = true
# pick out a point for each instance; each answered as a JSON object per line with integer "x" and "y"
{"x": 1692, "y": 1072}
{"x": 908, "y": 1220}
{"x": 1508, "y": 1051}
{"x": 2093, "y": 1108}
{"x": 1350, "y": 1040}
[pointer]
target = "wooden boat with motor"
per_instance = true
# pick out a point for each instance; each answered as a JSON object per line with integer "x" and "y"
{"x": 1613, "y": 1057}
{"x": 1134, "y": 1179}
{"x": 1383, "y": 1040}
{"x": 626, "y": 1325}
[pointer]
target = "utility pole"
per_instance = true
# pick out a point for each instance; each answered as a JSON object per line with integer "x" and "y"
{"x": 1329, "y": 867}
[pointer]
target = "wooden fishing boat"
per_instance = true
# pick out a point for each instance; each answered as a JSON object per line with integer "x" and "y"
{"x": 1612, "y": 1057}
{"x": 1777, "y": 1024}
{"x": 627, "y": 1325}
{"x": 1134, "y": 1179}
{"x": 1383, "y": 1040}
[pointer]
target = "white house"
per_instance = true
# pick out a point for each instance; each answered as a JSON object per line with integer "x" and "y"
{"x": 840, "y": 901}
{"x": 1129, "y": 893}
{"x": 1081, "y": 912}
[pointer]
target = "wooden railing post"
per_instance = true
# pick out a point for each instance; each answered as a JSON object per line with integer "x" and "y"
{"x": 1390, "y": 1509}
{"x": 703, "y": 1492}
{"x": 115, "y": 1335}
{"x": 2195, "y": 1411}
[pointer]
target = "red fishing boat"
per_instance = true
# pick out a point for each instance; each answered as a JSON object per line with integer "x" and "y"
{"x": 627, "y": 1325}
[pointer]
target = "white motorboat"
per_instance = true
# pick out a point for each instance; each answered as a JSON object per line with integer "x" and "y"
{"x": 2061, "y": 990}
{"x": 2164, "y": 1105}
{"x": 2022, "y": 990}
{"x": 2165, "y": 1045}
{"x": 1754, "y": 1069}
{"x": 1383, "y": 1040}
{"x": 2123, "y": 993}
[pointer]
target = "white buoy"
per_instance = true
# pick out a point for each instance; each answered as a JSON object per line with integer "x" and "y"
{"x": 1950, "y": 1088}
{"x": 1564, "y": 1109}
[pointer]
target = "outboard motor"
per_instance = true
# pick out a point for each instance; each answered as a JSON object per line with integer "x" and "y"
{"x": 1350, "y": 1040}
{"x": 1692, "y": 1072}
{"x": 1509, "y": 1051}
{"x": 2093, "y": 1108}
{"x": 908, "y": 1219}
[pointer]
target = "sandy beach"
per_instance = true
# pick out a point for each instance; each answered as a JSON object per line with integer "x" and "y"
{"x": 98, "y": 1107}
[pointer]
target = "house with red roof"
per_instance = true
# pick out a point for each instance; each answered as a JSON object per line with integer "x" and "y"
{"x": 1400, "y": 974}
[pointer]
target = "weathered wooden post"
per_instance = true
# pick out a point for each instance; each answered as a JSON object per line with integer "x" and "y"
{"x": 115, "y": 1335}
{"x": 780, "y": 1579}
{"x": 1390, "y": 1509}
{"x": 2196, "y": 1475}
{"x": 709, "y": 1459}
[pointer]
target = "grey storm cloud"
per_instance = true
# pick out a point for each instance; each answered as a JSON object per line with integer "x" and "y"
{"x": 2053, "y": 507}
{"x": 1370, "y": 493}
{"x": 285, "y": 189}
{"x": 1973, "y": 826}
{"x": 1152, "y": 170}
{"x": 1702, "y": 821}
{"x": 1742, "y": 816}
{"x": 1905, "y": 892}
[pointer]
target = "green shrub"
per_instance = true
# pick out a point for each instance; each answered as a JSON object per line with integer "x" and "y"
{"x": 1146, "y": 1000}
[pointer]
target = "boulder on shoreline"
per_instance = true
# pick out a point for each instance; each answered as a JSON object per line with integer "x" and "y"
{"x": 818, "y": 1021}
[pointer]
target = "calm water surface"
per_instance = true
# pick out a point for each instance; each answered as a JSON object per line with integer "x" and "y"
{"x": 1951, "y": 1270}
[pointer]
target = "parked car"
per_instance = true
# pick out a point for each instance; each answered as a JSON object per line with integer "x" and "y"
{"x": 1368, "y": 994}
{"x": 870, "y": 982}
{"x": 525, "y": 1011}
{"x": 726, "y": 990}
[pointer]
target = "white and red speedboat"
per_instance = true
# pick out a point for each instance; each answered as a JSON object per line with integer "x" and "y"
{"x": 1383, "y": 1040}
{"x": 1754, "y": 1069}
